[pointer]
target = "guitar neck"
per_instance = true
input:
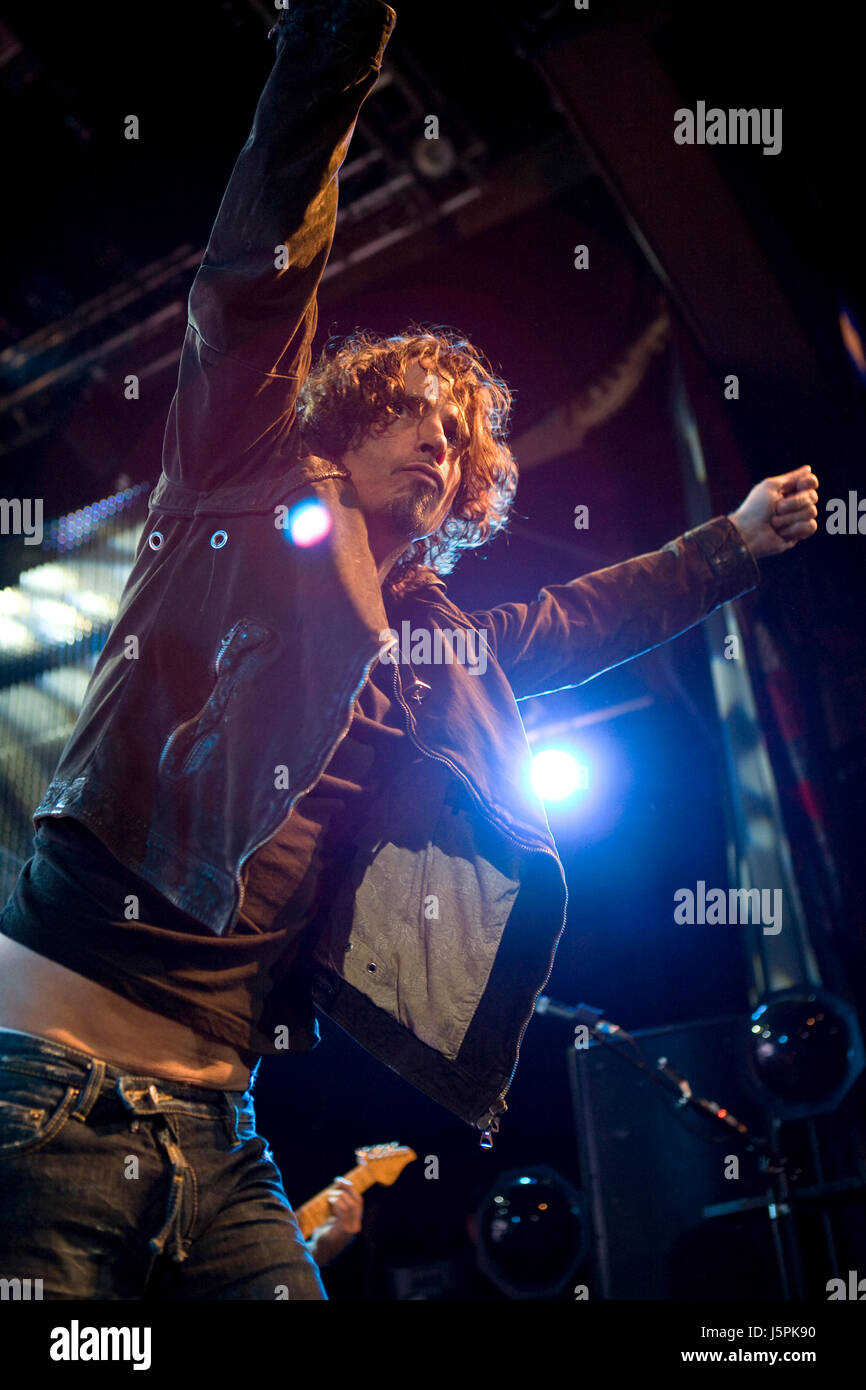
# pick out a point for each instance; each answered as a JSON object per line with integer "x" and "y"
{"x": 316, "y": 1212}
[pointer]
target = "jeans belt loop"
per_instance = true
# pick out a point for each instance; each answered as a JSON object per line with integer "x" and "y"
{"x": 88, "y": 1096}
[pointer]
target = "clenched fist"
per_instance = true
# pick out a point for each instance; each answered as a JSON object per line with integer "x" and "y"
{"x": 779, "y": 512}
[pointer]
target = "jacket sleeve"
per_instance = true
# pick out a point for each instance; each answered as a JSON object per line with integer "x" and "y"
{"x": 252, "y": 306}
{"x": 575, "y": 631}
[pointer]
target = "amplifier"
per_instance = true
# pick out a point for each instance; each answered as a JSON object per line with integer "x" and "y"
{"x": 653, "y": 1172}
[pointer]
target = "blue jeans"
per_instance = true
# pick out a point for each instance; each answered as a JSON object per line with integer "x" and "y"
{"x": 116, "y": 1186}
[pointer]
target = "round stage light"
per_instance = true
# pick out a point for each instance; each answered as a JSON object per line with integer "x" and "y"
{"x": 558, "y": 775}
{"x": 804, "y": 1051}
{"x": 308, "y": 523}
{"x": 532, "y": 1233}
{"x": 433, "y": 159}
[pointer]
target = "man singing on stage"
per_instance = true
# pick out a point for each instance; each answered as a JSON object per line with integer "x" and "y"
{"x": 276, "y": 799}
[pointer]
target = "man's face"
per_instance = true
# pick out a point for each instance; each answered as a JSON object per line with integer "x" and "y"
{"x": 407, "y": 477}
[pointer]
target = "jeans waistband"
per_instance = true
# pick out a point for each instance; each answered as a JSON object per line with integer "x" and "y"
{"x": 141, "y": 1093}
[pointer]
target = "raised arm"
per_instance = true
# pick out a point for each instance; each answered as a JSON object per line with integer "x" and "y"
{"x": 252, "y": 306}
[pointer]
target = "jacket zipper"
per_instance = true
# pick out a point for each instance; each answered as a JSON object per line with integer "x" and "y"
{"x": 490, "y": 1120}
{"x": 303, "y": 792}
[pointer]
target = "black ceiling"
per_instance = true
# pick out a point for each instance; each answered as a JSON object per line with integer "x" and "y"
{"x": 87, "y": 210}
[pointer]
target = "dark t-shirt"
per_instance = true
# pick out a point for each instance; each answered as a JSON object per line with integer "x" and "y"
{"x": 71, "y": 896}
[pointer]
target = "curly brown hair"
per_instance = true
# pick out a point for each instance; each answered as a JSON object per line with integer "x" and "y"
{"x": 349, "y": 395}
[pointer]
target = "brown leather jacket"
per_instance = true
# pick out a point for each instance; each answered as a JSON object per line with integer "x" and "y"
{"x": 231, "y": 671}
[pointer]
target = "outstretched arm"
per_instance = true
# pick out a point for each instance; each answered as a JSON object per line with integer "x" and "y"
{"x": 252, "y": 306}
{"x": 575, "y": 631}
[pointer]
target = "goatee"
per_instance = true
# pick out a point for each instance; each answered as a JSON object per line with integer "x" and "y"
{"x": 408, "y": 512}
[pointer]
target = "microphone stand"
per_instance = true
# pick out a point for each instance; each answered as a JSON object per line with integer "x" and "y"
{"x": 778, "y": 1199}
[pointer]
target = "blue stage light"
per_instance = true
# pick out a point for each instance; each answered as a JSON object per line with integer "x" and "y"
{"x": 558, "y": 775}
{"x": 308, "y": 523}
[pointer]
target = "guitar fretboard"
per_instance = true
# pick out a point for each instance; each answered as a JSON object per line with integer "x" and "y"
{"x": 317, "y": 1211}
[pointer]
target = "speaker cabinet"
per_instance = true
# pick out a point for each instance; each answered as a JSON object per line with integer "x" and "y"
{"x": 653, "y": 1172}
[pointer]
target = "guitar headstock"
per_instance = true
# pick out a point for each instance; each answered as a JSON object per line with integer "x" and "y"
{"x": 386, "y": 1160}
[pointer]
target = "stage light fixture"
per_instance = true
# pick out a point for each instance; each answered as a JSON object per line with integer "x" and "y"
{"x": 804, "y": 1051}
{"x": 558, "y": 775}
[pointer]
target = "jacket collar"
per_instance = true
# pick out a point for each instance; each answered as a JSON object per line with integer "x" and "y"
{"x": 262, "y": 495}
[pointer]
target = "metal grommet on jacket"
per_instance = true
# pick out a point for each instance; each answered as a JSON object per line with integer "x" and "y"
{"x": 155, "y": 540}
{"x": 218, "y": 539}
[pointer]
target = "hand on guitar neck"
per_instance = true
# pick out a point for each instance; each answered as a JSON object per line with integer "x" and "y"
{"x": 341, "y": 1225}
{"x": 331, "y": 1219}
